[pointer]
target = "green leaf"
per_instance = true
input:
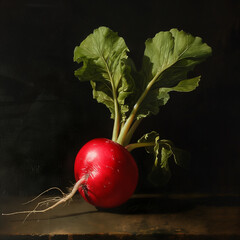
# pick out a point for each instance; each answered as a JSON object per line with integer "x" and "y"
{"x": 159, "y": 97}
{"x": 103, "y": 56}
{"x": 150, "y": 137}
{"x": 168, "y": 58}
{"x": 162, "y": 150}
{"x": 160, "y": 173}
{"x": 159, "y": 177}
{"x": 181, "y": 157}
{"x": 187, "y": 85}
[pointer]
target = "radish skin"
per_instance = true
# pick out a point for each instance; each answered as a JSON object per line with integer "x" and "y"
{"x": 113, "y": 173}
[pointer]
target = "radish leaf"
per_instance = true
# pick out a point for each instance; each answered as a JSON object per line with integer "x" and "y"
{"x": 162, "y": 150}
{"x": 104, "y": 54}
{"x": 168, "y": 58}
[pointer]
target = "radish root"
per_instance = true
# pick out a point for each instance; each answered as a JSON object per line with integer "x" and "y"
{"x": 56, "y": 200}
{"x": 52, "y": 188}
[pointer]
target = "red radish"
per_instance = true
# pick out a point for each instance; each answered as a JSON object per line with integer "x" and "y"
{"x": 105, "y": 172}
{"x": 111, "y": 171}
{"x": 106, "y": 176}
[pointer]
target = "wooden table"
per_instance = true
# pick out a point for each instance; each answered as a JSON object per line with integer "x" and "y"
{"x": 144, "y": 217}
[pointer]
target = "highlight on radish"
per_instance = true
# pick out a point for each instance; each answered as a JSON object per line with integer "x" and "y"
{"x": 106, "y": 173}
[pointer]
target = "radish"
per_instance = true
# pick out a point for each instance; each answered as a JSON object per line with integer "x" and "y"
{"x": 106, "y": 176}
{"x": 111, "y": 170}
{"x": 106, "y": 173}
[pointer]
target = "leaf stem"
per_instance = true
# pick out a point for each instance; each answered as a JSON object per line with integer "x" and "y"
{"x": 132, "y": 146}
{"x": 124, "y": 130}
{"x": 131, "y": 118}
{"x": 116, "y": 125}
{"x": 131, "y": 131}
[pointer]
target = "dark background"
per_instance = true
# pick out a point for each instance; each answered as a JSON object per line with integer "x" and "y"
{"x": 46, "y": 114}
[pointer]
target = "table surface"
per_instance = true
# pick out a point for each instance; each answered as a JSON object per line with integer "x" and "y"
{"x": 189, "y": 216}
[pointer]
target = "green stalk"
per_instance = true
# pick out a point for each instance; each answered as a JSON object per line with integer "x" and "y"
{"x": 125, "y": 129}
{"x": 131, "y": 118}
{"x": 132, "y": 146}
{"x": 116, "y": 125}
{"x": 131, "y": 131}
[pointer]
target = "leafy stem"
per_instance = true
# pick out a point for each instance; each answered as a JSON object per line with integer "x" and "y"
{"x": 131, "y": 131}
{"x": 125, "y": 129}
{"x": 116, "y": 125}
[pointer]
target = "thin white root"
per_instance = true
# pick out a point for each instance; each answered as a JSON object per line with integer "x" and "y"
{"x": 52, "y": 188}
{"x": 42, "y": 203}
{"x": 57, "y": 200}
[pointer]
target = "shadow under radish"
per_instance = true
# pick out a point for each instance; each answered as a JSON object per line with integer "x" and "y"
{"x": 164, "y": 204}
